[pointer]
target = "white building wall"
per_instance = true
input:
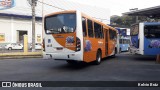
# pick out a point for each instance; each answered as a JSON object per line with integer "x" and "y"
{"x": 21, "y": 25}
{"x": 26, "y": 25}
{"x": 5, "y": 28}
{"x": 38, "y": 32}
{"x": 10, "y": 26}
{"x": 23, "y": 8}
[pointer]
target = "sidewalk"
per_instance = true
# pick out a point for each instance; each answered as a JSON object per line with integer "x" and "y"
{"x": 21, "y": 55}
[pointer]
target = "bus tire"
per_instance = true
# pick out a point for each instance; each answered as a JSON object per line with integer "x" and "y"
{"x": 115, "y": 52}
{"x": 120, "y": 50}
{"x": 9, "y": 48}
{"x": 98, "y": 58}
{"x": 128, "y": 49}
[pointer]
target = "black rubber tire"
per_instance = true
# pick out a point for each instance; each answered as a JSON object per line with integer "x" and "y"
{"x": 128, "y": 49}
{"x": 9, "y": 48}
{"x": 120, "y": 50}
{"x": 115, "y": 51}
{"x": 98, "y": 58}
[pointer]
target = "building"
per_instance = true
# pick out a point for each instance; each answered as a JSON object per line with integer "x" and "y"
{"x": 17, "y": 21}
{"x": 13, "y": 27}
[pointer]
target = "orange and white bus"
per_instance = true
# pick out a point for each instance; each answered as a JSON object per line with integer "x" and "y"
{"x": 73, "y": 36}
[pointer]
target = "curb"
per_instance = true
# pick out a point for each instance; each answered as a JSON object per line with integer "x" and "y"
{"x": 20, "y": 57}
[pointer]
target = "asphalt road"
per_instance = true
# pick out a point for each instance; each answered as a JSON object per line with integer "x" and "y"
{"x": 121, "y": 68}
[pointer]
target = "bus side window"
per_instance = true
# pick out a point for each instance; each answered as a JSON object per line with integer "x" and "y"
{"x": 97, "y": 30}
{"x": 102, "y": 32}
{"x": 112, "y": 34}
{"x": 152, "y": 31}
{"x": 90, "y": 28}
{"x": 115, "y": 35}
{"x": 84, "y": 26}
{"x": 120, "y": 41}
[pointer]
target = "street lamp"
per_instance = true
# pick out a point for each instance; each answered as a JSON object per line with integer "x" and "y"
{"x": 33, "y": 4}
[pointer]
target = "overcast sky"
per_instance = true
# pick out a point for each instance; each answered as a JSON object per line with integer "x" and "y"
{"x": 120, "y": 6}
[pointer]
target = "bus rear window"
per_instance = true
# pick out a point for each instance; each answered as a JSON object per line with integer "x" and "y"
{"x": 152, "y": 31}
{"x": 124, "y": 41}
{"x": 61, "y": 23}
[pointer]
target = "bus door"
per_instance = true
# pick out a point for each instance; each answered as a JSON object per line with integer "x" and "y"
{"x": 111, "y": 41}
{"x": 106, "y": 42}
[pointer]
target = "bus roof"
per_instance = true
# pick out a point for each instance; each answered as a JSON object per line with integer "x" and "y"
{"x": 104, "y": 25}
{"x": 147, "y": 23}
{"x": 152, "y": 23}
{"x": 61, "y": 12}
{"x": 73, "y": 11}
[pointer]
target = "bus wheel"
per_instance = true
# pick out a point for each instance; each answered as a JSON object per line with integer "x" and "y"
{"x": 128, "y": 49}
{"x": 9, "y": 48}
{"x": 115, "y": 52}
{"x": 98, "y": 58}
{"x": 120, "y": 50}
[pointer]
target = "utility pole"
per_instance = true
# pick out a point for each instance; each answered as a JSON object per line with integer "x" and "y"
{"x": 33, "y": 5}
{"x": 42, "y": 20}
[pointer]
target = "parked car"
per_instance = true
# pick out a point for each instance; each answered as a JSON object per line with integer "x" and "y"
{"x": 15, "y": 46}
{"x": 37, "y": 46}
{"x": 1, "y": 47}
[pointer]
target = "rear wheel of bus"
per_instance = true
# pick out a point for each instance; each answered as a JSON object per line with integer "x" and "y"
{"x": 128, "y": 49}
{"x": 115, "y": 52}
{"x": 120, "y": 50}
{"x": 98, "y": 58}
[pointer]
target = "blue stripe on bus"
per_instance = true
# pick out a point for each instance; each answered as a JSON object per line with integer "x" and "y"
{"x": 134, "y": 41}
{"x": 151, "y": 46}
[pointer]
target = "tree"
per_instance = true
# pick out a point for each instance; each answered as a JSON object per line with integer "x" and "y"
{"x": 126, "y": 21}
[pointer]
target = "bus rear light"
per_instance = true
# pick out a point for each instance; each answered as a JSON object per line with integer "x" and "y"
{"x": 43, "y": 44}
{"x": 78, "y": 44}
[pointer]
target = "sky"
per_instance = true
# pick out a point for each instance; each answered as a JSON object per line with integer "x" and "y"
{"x": 117, "y": 7}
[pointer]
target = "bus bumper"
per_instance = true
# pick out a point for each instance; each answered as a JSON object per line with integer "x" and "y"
{"x": 134, "y": 51}
{"x": 64, "y": 56}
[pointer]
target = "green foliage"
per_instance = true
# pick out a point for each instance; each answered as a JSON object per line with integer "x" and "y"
{"x": 122, "y": 21}
{"x": 126, "y": 21}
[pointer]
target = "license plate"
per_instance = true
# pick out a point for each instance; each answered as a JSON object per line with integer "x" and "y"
{"x": 59, "y": 48}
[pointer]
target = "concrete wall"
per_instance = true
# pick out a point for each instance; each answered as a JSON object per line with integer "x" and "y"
{"x": 10, "y": 25}
{"x": 5, "y": 28}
